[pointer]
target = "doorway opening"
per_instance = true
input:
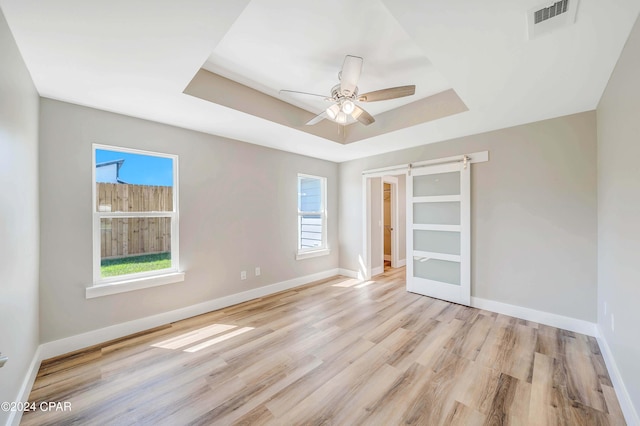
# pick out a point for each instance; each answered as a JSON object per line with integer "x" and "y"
{"x": 391, "y": 221}
{"x": 386, "y": 221}
{"x": 384, "y": 228}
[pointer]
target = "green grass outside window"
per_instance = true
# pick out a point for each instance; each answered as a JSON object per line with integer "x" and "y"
{"x": 134, "y": 264}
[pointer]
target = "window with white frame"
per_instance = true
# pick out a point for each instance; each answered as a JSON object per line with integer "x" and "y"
{"x": 135, "y": 216}
{"x": 312, "y": 216}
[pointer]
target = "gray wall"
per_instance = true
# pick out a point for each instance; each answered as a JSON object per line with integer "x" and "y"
{"x": 619, "y": 213}
{"x": 18, "y": 217}
{"x": 533, "y": 212}
{"x": 238, "y": 210}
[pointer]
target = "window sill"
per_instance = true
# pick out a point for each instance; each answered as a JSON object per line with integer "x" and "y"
{"x": 133, "y": 284}
{"x": 313, "y": 253}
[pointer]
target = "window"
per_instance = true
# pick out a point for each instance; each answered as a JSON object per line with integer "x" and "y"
{"x": 135, "y": 220}
{"x": 312, "y": 216}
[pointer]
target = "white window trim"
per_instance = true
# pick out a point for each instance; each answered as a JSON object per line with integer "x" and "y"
{"x": 123, "y": 286}
{"x": 312, "y": 253}
{"x": 324, "y": 249}
{"x": 123, "y": 283}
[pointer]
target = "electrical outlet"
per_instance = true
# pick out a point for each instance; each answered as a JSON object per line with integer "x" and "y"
{"x": 243, "y": 275}
{"x": 612, "y": 323}
{"x": 257, "y": 271}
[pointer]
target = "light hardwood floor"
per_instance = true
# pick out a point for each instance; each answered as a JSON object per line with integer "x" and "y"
{"x": 336, "y": 352}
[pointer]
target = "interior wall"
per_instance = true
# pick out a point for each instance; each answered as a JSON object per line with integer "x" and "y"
{"x": 533, "y": 236}
{"x": 238, "y": 210}
{"x": 377, "y": 261}
{"x": 18, "y": 218}
{"x": 402, "y": 217}
{"x": 619, "y": 214}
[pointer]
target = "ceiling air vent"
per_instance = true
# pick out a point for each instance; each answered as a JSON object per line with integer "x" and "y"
{"x": 551, "y": 11}
{"x": 550, "y": 17}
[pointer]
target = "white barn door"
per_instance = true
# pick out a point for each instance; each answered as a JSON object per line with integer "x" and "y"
{"x": 438, "y": 232}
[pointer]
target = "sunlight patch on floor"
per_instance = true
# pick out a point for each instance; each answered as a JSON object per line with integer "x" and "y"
{"x": 347, "y": 283}
{"x": 222, "y": 338}
{"x": 353, "y": 282}
{"x": 193, "y": 336}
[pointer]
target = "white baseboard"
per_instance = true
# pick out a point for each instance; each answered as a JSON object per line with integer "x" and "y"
{"x": 377, "y": 271}
{"x": 349, "y": 273}
{"x": 402, "y": 262}
{"x": 25, "y": 389}
{"x": 94, "y": 337}
{"x": 547, "y": 318}
{"x": 629, "y": 411}
{"x": 387, "y": 257}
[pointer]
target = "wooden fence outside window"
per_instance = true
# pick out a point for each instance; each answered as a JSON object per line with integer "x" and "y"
{"x": 121, "y": 237}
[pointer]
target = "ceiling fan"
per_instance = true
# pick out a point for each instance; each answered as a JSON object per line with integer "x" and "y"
{"x": 345, "y": 95}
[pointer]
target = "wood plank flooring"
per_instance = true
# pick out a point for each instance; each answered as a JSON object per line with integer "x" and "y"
{"x": 339, "y": 352}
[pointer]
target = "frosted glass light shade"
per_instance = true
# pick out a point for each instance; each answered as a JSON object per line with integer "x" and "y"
{"x": 348, "y": 107}
{"x": 333, "y": 111}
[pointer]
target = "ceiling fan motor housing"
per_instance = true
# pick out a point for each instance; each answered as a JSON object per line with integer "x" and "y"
{"x": 338, "y": 94}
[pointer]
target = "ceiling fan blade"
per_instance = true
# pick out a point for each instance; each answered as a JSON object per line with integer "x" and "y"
{"x": 303, "y": 93}
{"x": 318, "y": 118}
{"x": 386, "y": 94}
{"x": 350, "y": 74}
{"x": 362, "y": 116}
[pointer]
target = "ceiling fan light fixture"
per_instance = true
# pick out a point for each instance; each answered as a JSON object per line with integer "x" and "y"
{"x": 333, "y": 111}
{"x": 348, "y": 106}
{"x": 343, "y": 96}
{"x": 341, "y": 118}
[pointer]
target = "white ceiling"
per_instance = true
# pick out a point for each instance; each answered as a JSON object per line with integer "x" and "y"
{"x": 136, "y": 58}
